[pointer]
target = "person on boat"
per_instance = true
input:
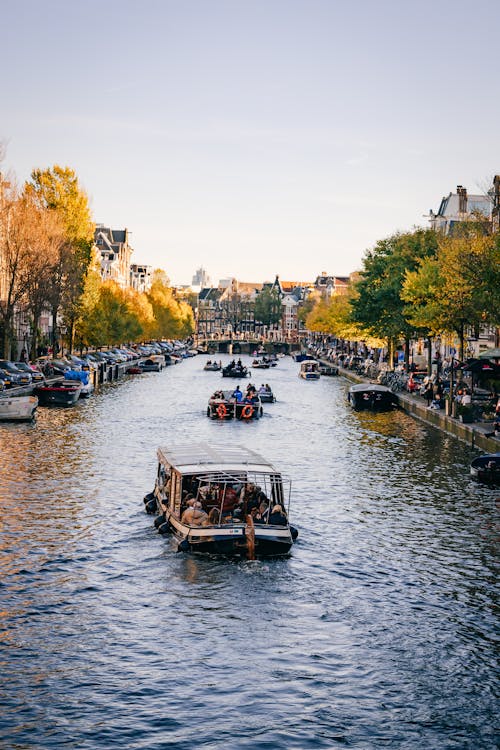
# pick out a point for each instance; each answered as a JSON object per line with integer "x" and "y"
{"x": 262, "y": 512}
{"x": 268, "y": 388}
{"x": 240, "y": 364}
{"x": 194, "y": 515}
{"x": 212, "y": 518}
{"x": 262, "y": 389}
{"x": 237, "y": 394}
{"x": 277, "y": 516}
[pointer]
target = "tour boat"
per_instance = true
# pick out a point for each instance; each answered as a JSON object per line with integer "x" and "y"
{"x": 371, "y": 396}
{"x": 486, "y": 468}
{"x": 222, "y": 405}
{"x": 220, "y": 480}
{"x": 309, "y": 370}
{"x": 18, "y": 408}
{"x": 60, "y": 393}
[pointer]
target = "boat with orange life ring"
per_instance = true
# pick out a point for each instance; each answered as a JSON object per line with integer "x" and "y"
{"x": 223, "y": 406}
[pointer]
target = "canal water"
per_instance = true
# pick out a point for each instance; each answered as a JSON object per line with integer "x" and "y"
{"x": 380, "y": 630}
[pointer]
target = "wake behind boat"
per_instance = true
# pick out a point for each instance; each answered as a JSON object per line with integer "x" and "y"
{"x": 221, "y": 499}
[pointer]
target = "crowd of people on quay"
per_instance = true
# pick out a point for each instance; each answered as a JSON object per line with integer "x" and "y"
{"x": 446, "y": 382}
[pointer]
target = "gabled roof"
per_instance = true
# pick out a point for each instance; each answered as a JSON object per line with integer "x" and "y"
{"x": 210, "y": 294}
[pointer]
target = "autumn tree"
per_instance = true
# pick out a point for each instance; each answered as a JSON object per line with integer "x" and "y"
{"x": 172, "y": 319}
{"x": 458, "y": 287}
{"x": 58, "y": 191}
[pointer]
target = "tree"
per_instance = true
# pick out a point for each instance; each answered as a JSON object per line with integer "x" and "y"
{"x": 268, "y": 307}
{"x": 57, "y": 190}
{"x": 460, "y": 286}
{"x": 172, "y": 319}
{"x": 378, "y": 305}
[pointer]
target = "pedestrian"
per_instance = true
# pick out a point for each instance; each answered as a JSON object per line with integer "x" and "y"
{"x": 428, "y": 392}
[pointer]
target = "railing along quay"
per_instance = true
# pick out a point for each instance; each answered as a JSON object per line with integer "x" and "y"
{"x": 473, "y": 434}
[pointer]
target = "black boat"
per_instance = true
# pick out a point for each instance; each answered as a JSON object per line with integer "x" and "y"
{"x": 235, "y": 371}
{"x": 222, "y": 405}
{"x": 486, "y": 468}
{"x": 60, "y": 393}
{"x": 371, "y": 396}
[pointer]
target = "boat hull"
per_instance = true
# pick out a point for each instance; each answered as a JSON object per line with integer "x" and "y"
{"x": 486, "y": 468}
{"x": 59, "y": 394}
{"x": 18, "y": 408}
{"x": 231, "y": 541}
{"x": 372, "y": 398}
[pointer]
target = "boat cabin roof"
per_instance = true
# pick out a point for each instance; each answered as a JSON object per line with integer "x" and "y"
{"x": 196, "y": 458}
{"x": 306, "y": 362}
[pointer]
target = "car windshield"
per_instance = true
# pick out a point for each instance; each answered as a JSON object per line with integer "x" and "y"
{"x": 8, "y": 365}
{"x": 23, "y": 366}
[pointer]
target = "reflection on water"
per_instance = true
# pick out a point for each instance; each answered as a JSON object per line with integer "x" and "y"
{"x": 379, "y": 630}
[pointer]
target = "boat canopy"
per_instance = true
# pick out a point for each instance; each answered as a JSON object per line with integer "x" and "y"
{"x": 202, "y": 458}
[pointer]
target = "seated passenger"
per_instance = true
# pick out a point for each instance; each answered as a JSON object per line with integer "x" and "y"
{"x": 237, "y": 394}
{"x": 212, "y": 518}
{"x": 194, "y": 515}
{"x": 277, "y": 516}
{"x": 262, "y": 512}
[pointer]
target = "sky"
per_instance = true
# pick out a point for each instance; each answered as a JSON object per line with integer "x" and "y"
{"x": 254, "y": 138}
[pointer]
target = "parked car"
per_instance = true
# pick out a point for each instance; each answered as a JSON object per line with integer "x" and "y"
{"x": 18, "y": 377}
{"x": 36, "y": 375}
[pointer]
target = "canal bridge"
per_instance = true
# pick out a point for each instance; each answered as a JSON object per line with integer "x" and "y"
{"x": 245, "y": 346}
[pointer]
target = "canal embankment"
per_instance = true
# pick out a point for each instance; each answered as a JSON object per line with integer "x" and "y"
{"x": 474, "y": 434}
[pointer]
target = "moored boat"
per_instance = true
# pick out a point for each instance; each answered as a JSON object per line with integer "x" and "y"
{"x": 309, "y": 370}
{"x": 371, "y": 396}
{"x": 486, "y": 468}
{"x": 60, "y": 393}
{"x": 18, "y": 408}
{"x": 221, "y": 499}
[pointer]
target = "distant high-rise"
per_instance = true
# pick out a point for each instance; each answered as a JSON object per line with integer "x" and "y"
{"x": 201, "y": 278}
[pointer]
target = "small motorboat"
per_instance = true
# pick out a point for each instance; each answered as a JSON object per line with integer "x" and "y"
{"x": 233, "y": 370}
{"x": 372, "y": 396}
{"x": 152, "y": 365}
{"x": 200, "y": 496}
{"x": 222, "y": 405}
{"x": 83, "y": 377}
{"x": 309, "y": 370}
{"x": 212, "y": 366}
{"x": 59, "y": 393}
{"x": 18, "y": 408}
{"x": 261, "y": 364}
{"x": 266, "y": 394}
{"x": 486, "y": 468}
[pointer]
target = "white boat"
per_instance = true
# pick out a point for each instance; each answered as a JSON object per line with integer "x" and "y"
{"x": 18, "y": 408}
{"x": 219, "y": 479}
{"x": 309, "y": 369}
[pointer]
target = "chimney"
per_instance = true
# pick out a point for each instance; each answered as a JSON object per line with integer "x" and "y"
{"x": 462, "y": 199}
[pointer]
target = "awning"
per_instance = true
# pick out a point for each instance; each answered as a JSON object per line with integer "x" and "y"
{"x": 490, "y": 354}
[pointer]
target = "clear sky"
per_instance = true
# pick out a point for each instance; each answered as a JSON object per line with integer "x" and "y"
{"x": 255, "y": 137}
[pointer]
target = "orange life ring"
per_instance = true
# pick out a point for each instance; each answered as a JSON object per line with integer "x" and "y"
{"x": 247, "y": 411}
{"x": 221, "y": 411}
